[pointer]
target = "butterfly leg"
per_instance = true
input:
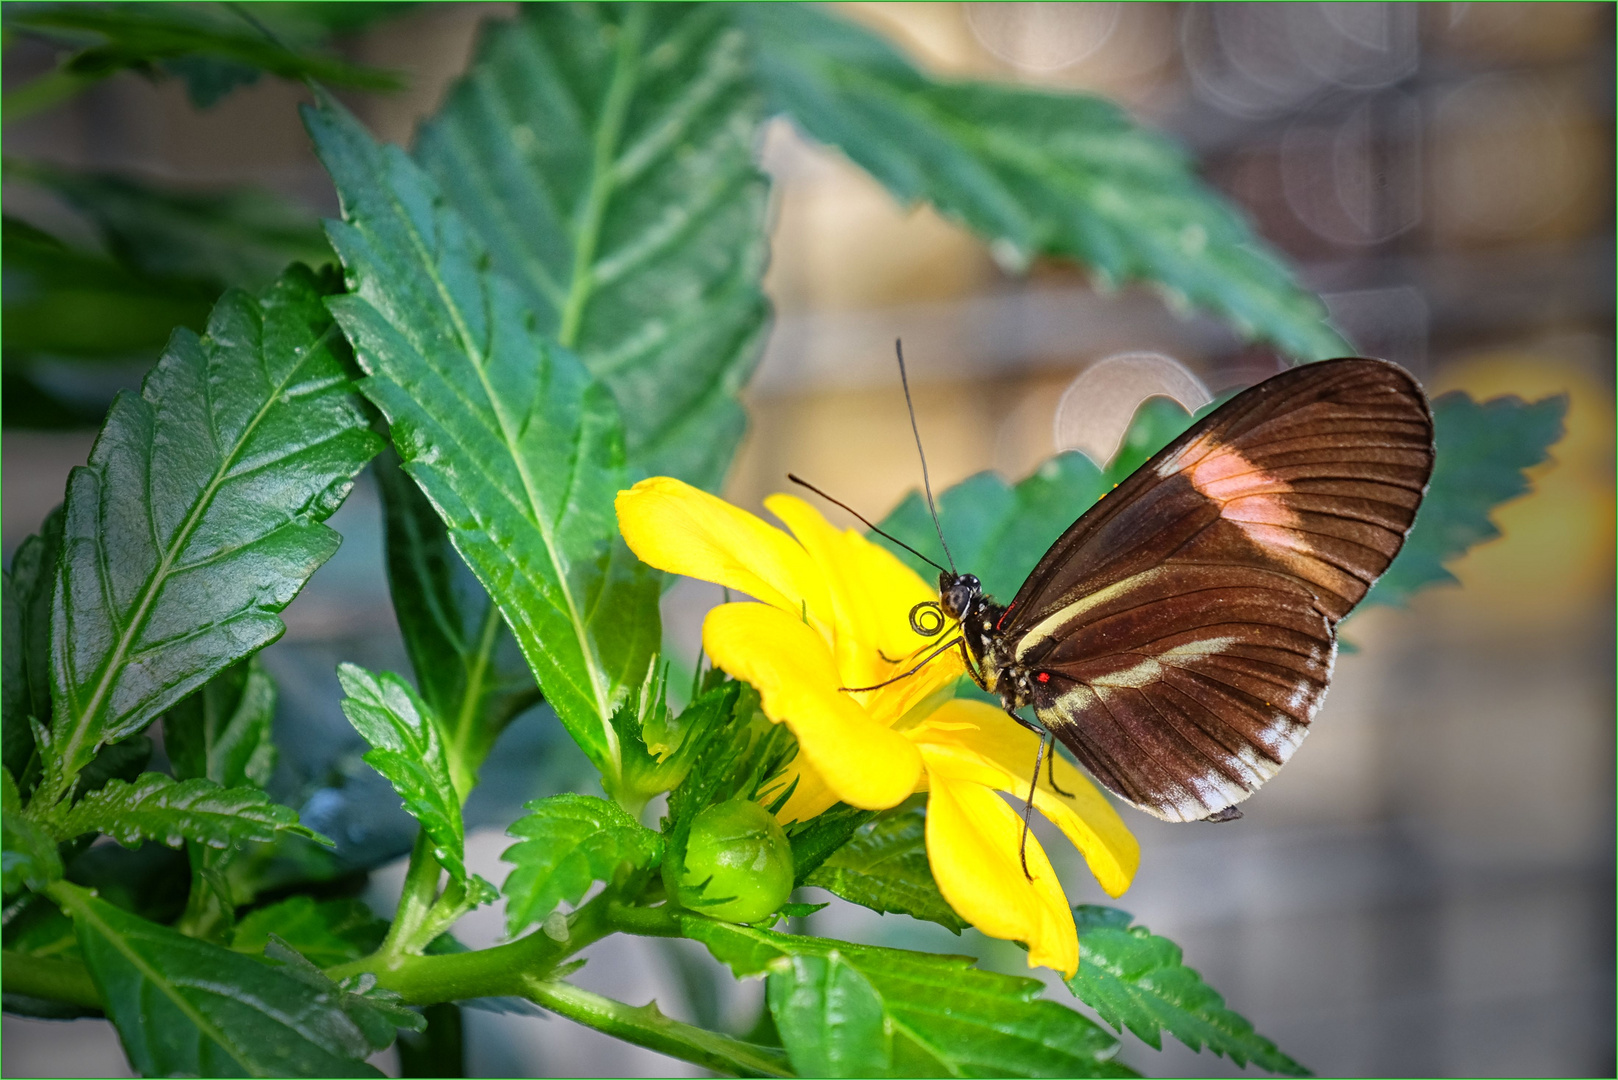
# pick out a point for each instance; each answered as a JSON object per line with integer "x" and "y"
{"x": 1050, "y": 763}
{"x": 1028, "y": 806}
{"x": 954, "y": 643}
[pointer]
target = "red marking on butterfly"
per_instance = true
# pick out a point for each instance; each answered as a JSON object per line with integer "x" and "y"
{"x": 1043, "y": 676}
{"x": 1002, "y": 620}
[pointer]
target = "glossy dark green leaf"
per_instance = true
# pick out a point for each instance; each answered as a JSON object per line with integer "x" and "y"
{"x": 1483, "y": 449}
{"x": 198, "y": 516}
{"x": 520, "y": 452}
{"x": 440, "y": 1050}
{"x": 328, "y": 932}
{"x": 566, "y": 843}
{"x": 1034, "y": 172}
{"x": 1135, "y": 979}
{"x": 603, "y": 154}
{"x": 236, "y": 236}
{"x": 830, "y": 1017}
{"x": 946, "y": 1017}
{"x": 28, "y": 855}
{"x": 17, "y": 745}
{"x": 210, "y": 47}
{"x": 466, "y": 661}
{"x": 222, "y": 732}
{"x": 884, "y": 867}
{"x": 376, "y": 1012}
{"x": 408, "y": 749}
{"x": 184, "y": 1007}
{"x": 158, "y": 807}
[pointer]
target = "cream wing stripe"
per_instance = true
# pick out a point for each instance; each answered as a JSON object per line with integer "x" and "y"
{"x": 1048, "y": 626}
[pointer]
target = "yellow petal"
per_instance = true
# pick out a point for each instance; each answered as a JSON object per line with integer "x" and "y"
{"x": 872, "y": 593}
{"x": 675, "y": 527}
{"x": 972, "y": 846}
{"x": 975, "y": 741}
{"x": 811, "y": 795}
{"x": 866, "y": 764}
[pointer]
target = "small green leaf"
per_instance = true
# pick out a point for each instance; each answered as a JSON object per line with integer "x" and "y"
{"x": 1482, "y": 450}
{"x": 604, "y": 157}
{"x": 27, "y": 685}
{"x": 1135, "y": 979}
{"x": 29, "y": 853}
{"x": 520, "y": 452}
{"x": 884, "y": 867}
{"x": 1034, "y": 172}
{"x": 830, "y": 1017}
{"x": 566, "y": 843}
{"x": 946, "y": 1017}
{"x": 158, "y": 807}
{"x": 328, "y": 932}
{"x": 184, "y": 1007}
{"x": 222, "y": 731}
{"x": 198, "y": 516}
{"x": 408, "y": 749}
{"x": 467, "y": 664}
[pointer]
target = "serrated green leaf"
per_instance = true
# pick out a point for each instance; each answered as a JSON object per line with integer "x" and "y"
{"x": 119, "y": 761}
{"x": 829, "y": 1016}
{"x": 604, "y": 156}
{"x": 376, "y": 1012}
{"x": 198, "y": 516}
{"x": 519, "y": 451}
{"x": 408, "y": 750}
{"x": 884, "y": 867}
{"x": 1135, "y": 979}
{"x": 184, "y": 1007}
{"x": 1035, "y": 172}
{"x": 1482, "y": 450}
{"x": 566, "y": 843}
{"x": 466, "y": 661}
{"x": 29, "y": 852}
{"x": 328, "y": 932}
{"x": 236, "y": 236}
{"x": 214, "y": 50}
{"x": 222, "y": 732}
{"x": 947, "y": 1017}
{"x": 158, "y": 807}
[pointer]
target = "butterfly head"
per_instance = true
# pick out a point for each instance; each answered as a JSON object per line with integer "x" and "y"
{"x": 959, "y": 594}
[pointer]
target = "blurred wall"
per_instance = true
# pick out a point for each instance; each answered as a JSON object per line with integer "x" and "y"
{"x": 1427, "y": 888}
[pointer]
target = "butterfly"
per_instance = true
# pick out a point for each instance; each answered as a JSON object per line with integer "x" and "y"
{"x": 1179, "y": 637}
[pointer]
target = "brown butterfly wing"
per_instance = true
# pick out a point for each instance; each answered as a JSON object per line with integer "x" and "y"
{"x": 1182, "y": 632}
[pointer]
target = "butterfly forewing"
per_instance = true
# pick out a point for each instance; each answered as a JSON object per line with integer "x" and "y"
{"x": 1182, "y": 630}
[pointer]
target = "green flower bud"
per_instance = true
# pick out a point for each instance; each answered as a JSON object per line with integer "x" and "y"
{"x": 738, "y": 864}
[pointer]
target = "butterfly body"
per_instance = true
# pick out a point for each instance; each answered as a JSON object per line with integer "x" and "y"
{"x": 1179, "y": 636}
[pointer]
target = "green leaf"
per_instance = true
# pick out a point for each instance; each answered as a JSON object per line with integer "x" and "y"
{"x": 63, "y": 302}
{"x": 884, "y": 867}
{"x": 185, "y": 1007}
{"x": 1035, "y": 172}
{"x": 603, "y": 155}
{"x": 567, "y": 843}
{"x": 440, "y": 1050}
{"x": 27, "y": 677}
{"x": 409, "y": 751}
{"x": 1135, "y": 979}
{"x": 466, "y": 661}
{"x": 376, "y": 1012}
{"x": 328, "y": 932}
{"x": 214, "y": 52}
{"x": 830, "y": 1017}
{"x": 29, "y": 852}
{"x": 158, "y": 807}
{"x": 222, "y": 731}
{"x": 946, "y": 1017}
{"x": 520, "y": 452}
{"x": 238, "y": 236}
{"x": 1483, "y": 449}
{"x": 198, "y": 516}
{"x": 996, "y": 530}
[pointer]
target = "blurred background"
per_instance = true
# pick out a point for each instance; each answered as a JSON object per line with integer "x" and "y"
{"x": 1428, "y": 888}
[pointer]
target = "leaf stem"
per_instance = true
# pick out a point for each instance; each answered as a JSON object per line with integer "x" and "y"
{"x": 647, "y": 1026}
{"x": 49, "y": 979}
{"x": 416, "y": 900}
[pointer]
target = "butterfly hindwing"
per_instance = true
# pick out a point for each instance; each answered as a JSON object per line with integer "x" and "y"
{"x": 1183, "y": 629}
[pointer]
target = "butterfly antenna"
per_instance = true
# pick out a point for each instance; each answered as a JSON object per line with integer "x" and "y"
{"x": 838, "y": 502}
{"x": 926, "y": 483}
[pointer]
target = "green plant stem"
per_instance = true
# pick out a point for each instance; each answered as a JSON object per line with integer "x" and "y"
{"x": 49, "y": 979}
{"x": 416, "y": 900}
{"x": 647, "y": 1026}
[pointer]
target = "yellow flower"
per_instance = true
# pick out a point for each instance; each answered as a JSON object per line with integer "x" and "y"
{"x": 834, "y": 612}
